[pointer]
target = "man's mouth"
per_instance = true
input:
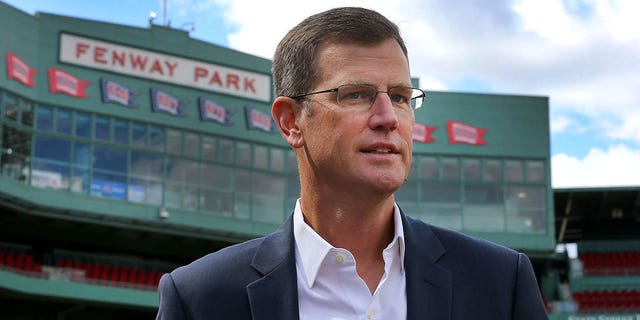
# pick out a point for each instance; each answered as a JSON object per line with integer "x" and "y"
{"x": 379, "y": 150}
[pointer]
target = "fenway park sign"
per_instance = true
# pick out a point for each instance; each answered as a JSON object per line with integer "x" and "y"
{"x": 136, "y": 62}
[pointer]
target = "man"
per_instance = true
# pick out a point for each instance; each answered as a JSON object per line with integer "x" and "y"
{"x": 345, "y": 105}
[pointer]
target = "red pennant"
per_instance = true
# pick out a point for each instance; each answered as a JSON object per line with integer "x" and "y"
{"x": 20, "y": 71}
{"x": 423, "y": 133}
{"x": 463, "y": 133}
{"x": 63, "y": 82}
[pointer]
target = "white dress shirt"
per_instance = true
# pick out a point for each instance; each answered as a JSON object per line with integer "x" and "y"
{"x": 329, "y": 286}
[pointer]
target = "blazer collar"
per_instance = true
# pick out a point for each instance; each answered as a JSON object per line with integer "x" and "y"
{"x": 275, "y": 294}
{"x": 429, "y": 286}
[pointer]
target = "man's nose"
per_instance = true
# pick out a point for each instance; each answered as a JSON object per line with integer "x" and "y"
{"x": 383, "y": 114}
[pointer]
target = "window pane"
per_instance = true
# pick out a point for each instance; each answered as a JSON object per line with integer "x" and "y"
{"x": 268, "y": 196}
{"x": 182, "y": 184}
{"x": 483, "y": 194}
{"x": 217, "y": 190}
{"x": 260, "y": 158}
{"x": 484, "y": 208}
{"x": 52, "y": 149}
{"x": 80, "y": 168}
{"x": 407, "y": 198}
{"x": 242, "y": 203}
{"x": 441, "y": 192}
{"x": 139, "y": 135}
{"x": 209, "y": 149}
{"x": 277, "y": 159}
{"x": 526, "y": 209}
{"x": 156, "y": 138}
{"x": 83, "y": 125}
{"x": 174, "y": 141}
{"x": 535, "y": 171}
{"x": 292, "y": 162}
{"x": 44, "y": 118}
{"x": 429, "y": 167}
{"x": 51, "y": 163}
{"x": 110, "y": 172}
{"x": 63, "y": 121}
{"x": 492, "y": 170}
{"x": 450, "y": 169}
{"x": 11, "y": 107}
{"x": 472, "y": 169}
{"x": 27, "y": 113}
{"x": 191, "y": 145}
{"x": 244, "y": 154}
{"x": 226, "y": 151}
{"x": 145, "y": 173}
{"x": 121, "y": 131}
{"x": 16, "y": 152}
{"x": 102, "y": 128}
{"x": 514, "y": 171}
{"x": 448, "y": 216}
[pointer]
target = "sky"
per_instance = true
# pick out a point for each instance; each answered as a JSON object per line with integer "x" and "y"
{"x": 582, "y": 54}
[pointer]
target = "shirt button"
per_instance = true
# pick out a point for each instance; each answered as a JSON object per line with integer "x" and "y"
{"x": 369, "y": 314}
{"x": 339, "y": 257}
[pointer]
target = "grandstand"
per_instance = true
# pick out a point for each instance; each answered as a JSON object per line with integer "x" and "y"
{"x": 600, "y": 278}
{"x": 116, "y": 168}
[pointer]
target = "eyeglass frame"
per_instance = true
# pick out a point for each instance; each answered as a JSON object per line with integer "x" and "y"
{"x": 423, "y": 95}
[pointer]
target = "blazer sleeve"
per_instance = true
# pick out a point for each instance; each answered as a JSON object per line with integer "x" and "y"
{"x": 171, "y": 307}
{"x": 527, "y": 298}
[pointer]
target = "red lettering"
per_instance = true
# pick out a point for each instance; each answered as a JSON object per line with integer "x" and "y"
{"x": 215, "y": 78}
{"x": 233, "y": 79}
{"x": 118, "y": 57}
{"x": 98, "y": 55}
{"x": 81, "y": 48}
{"x": 156, "y": 67}
{"x": 115, "y": 91}
{"x": 138, "y": 61}
{"x": 248, "y": 84}
{"x": 171, "y": 66}
{"x": 199, "y": 73}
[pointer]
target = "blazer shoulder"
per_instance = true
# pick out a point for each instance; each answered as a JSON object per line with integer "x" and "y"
{"x": 233, "y": 258}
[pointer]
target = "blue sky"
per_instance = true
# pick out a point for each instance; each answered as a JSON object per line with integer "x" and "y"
{"x": 583, "y": 54}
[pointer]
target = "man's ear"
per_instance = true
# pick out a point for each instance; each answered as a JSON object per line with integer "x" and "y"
{"x": 286, "y": 111}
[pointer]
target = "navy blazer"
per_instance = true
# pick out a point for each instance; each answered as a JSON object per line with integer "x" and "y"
{"x": 449, "y": 276}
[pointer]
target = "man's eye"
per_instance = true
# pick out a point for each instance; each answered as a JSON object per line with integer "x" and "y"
{"x": 397, "y": 98}
{"x": 354, "y": 95}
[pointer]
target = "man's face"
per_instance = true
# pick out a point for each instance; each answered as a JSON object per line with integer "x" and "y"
{"x": 359, "y": 150}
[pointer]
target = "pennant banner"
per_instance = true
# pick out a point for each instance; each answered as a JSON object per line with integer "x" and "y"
{"x": 463, "y": 133}
{"x": 211, "y": 111}
{"x": 164, "y": 102}
{"x": 116, "y": 93}
{"x": 20, "y": 71}
{"x": 259, "y": 120}
{"x": 423, "y": 133}
{"x": 63, "y": 82}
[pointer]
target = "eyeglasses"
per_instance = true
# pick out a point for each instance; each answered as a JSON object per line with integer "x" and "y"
{"x": 364, "y": 95}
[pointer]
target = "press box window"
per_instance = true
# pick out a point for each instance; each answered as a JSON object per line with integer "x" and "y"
{"x": 63, "y": 121}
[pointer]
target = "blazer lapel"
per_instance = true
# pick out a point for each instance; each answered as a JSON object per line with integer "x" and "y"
{"x": 275, "y": 295}
{"x": 429, "y": 286}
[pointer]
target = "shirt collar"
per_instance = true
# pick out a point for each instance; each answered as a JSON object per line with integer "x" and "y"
{"x": 311, "y": 249}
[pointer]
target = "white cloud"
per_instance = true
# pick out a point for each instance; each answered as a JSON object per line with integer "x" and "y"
{"x": 560, "y": 123}
{"x": 619, "y": 165}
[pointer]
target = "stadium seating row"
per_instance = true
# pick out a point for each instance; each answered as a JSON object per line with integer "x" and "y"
{"x": 80, "y": 271}
{"x": 610, "y": 263}
{"x": 20, "y": 261}
{"x": 104, "y": 274}
{"x": 608, "y": 300}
